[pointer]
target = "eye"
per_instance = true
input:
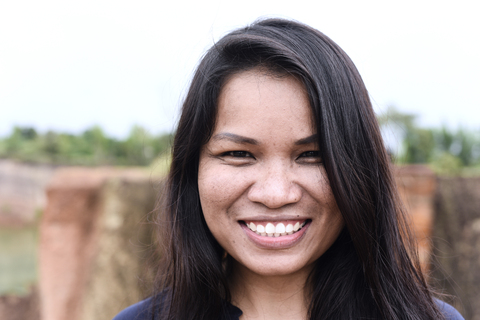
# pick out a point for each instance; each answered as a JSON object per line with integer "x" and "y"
{"x": 237, "y": 158}
{"x": 310, "y": 154}
{"x": 310, "y": 157}
{"x": 238, "y": 154}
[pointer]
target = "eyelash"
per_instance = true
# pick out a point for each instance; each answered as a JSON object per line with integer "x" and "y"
{"x": 246, "y": 154}
{"x": 238, "y": 154}
{"x": 310, "y": 154}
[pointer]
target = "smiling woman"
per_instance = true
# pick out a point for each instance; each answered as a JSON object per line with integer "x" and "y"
{"x": 260, "y": 173}
{"x": 280, "y": 202}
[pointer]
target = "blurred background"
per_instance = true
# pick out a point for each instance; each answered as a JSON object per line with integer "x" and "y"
{"x": 100, "y": 83}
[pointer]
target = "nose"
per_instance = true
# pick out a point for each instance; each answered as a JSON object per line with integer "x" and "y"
{"x": 275, "y": 187}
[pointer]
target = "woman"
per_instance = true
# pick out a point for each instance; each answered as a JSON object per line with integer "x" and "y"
{"x": 280, "y": 202}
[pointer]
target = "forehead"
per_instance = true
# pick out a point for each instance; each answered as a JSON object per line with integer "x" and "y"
{"x": 256, "y": 98}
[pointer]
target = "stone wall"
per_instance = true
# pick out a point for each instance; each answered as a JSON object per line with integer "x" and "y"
{"x": 416, "y": 185}
{"x": 93, "y": 242}
{"x": 22, "y": 193}
{"x": 456, "y": 238}
{"x": 119, "y": 275}
{"x": 20, "y": 308}
{"x": 95, "y": 237}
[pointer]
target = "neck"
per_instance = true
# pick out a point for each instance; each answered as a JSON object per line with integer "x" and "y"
{"x": 272, "y": 296}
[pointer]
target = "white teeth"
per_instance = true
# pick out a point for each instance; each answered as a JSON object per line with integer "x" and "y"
{"x": 270, "y": 228}
{"x": 280, "y": 228}
{"x": 275, "y": 231}
{"x": 289, "y": 228}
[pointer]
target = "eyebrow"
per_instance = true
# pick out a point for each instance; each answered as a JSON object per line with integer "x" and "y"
{"x": 234, "y": 138}
{"x": 245, "y": 140}
{"x": 311, "y": 139}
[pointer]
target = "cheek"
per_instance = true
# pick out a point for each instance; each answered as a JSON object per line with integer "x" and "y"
{"x": 317, "y": 185}
{"x": 319, "y": 188}
{"x": 215, "y": 199}
{"x": 219, "y": 185}
{"x": 213, "y": 190}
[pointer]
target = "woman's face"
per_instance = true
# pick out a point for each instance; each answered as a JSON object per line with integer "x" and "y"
{"x": 263, "y": 189}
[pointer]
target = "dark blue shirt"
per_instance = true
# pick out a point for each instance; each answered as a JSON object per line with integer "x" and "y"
{"x": 142, "y": 311}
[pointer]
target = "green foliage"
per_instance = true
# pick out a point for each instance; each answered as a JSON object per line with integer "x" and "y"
{"x": 90, "y": 148}
{"x": 447, "y": 165}
{"x": 419, "y": 145}
{"x": 449, "y": 152}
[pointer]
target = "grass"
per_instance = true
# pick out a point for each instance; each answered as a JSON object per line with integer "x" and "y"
{"x": 18, "y": 259}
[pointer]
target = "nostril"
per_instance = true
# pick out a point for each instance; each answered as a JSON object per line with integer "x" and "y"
{"x": 275, "y": 186}
{"x": 275, "y": 197}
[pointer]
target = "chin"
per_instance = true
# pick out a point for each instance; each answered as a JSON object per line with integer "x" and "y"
{"x": 274, "y": 267}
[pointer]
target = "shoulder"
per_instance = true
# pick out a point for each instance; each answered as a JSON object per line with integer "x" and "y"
{"x": 448, "y": 311}
{"x": 143, "y": 311}
{"x": 138, "y": 311}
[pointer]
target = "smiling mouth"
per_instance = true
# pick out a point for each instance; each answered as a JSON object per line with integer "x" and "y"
{"x": 269, "y": 229}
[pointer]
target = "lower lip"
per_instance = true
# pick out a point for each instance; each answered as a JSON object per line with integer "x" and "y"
{"x": 281, "y": 242}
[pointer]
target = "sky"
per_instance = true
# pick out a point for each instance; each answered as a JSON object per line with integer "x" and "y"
{"x": 69, "y": 65}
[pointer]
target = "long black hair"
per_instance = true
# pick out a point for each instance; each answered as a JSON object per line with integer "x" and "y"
{"x": 371, "y": 271}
